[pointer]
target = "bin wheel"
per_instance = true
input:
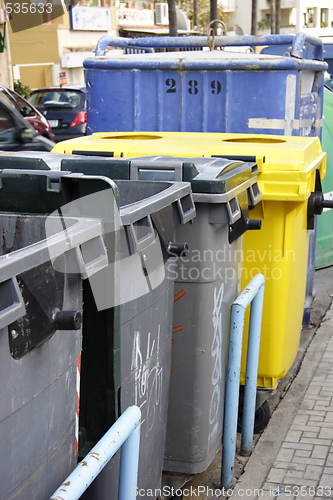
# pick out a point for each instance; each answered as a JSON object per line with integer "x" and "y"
{"x": 261, "y": 417}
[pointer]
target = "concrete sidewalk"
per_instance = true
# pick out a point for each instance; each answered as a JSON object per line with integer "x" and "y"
{"x": 293, "y": 457}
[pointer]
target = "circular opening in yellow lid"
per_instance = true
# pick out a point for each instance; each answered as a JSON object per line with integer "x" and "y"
{"x": 133, "y": 137}
{"x": 256, "y": 139}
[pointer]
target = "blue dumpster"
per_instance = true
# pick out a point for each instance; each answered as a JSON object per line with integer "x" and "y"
{"x": 212, "y": 91}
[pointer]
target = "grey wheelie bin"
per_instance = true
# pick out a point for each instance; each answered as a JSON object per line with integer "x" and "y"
{"x": 142, "y": 331}
{"x": 207, "y": 281}
{"x": 127, "y": 315}
{"x": 40, "y": 326}
{"x": 127, "y": 331}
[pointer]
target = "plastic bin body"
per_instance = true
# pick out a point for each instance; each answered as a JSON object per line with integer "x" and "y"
{"x": 212, "y": 91}
{"x": 207, "y": 281}
{"x": 204, "y": 292}
{"x": 324, "y": 251}
{"x": 287, "y": 172}
{"x": 145, "y": 360}
{"x": 146, "y": 342}
{"x": 133, "y": 329}
{"x": 38, "y": 391}
{"x": 39, "y": 362}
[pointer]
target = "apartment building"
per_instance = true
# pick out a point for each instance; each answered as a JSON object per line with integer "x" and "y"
{"x": 312, "y": 16}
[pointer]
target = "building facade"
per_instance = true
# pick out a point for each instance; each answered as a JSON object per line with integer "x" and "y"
{"x": 312, "y": 16}
{"x": 5, "y": 56}
{"x": 52, "y": 52}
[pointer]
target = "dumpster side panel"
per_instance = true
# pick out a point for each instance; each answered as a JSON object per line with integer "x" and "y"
{"x": 112, "y": 107}
{"x": 241, "y": 98}
{"x": 251, "y": 110}
{"x": 324, "y": 251}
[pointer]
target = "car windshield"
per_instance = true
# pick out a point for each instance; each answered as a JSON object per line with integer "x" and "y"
{"x": 46, "y": 99}
{"x": 7, "y": 126}
{"x": 21, "y": 104}
{"x": 10, "y": 102}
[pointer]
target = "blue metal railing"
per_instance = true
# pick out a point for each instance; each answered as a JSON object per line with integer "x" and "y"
{"x": 148, "y": 44}
{"x": 125, "y": 432}
{"x": 254, "y": 292}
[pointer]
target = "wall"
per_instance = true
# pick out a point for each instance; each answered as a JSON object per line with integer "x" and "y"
{"x": 290, "y": 21}
{"x": 241, "y": 17}
{"x": 5, "y": 58}
{"x": 35, "y": 46}
{"x": 45, "y": 44}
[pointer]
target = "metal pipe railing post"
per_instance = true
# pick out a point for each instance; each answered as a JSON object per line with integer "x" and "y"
{"x": 129, "y": 462}
{"x": 89, "y": 468}
{"x": 250, "y": 390}
{"x": 232, "y": 395}
{"x": 233, "y": 374}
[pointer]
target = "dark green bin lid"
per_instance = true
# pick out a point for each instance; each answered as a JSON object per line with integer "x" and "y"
{"x": 206, "y": 175}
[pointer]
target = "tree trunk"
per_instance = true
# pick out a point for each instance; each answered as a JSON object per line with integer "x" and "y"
{"x": 254, "y": 24}
{"x": 172, "y": 18}
{"x": 195, "y": 13}
{"x": 278, "y": 16}
{"x": 214, "y": 14}
{"x": 273, "y": 16}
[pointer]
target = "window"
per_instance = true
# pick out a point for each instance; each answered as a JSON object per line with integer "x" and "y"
{"x": 309, "y": 17}
{"x": 7, "y": 126}
{"x": 323, "y": 18}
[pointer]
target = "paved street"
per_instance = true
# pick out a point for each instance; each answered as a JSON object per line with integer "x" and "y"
{"x": 293, "y": 457}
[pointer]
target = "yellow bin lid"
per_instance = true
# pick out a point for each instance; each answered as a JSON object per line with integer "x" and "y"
{"x": 286, "y": 164}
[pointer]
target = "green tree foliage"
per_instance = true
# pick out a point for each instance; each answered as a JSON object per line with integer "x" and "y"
{"x": 23, "y": 90}
{"x": 203, "y": 13}
{"x": 264, "y": 24}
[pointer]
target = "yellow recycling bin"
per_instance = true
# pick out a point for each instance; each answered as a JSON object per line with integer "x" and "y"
{"x": 290, "y": 170}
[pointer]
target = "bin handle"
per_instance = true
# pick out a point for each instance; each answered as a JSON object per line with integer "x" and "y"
{"x": 111, "y": 41}
{"x": 186, "y": 209}
{"x": 211, "y": 32}
{"x": 234, "y": 210}
{"x": 142, "y": 243}
{"x": 254, "y": 195}
{"x": 15, "y": 308}
{"x": 191, "y": 42}
{"x": 171, "y": 164}
{"x": 298, "y": 44}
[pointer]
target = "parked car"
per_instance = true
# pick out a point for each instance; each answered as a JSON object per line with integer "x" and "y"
{"x": 18, "y": 135}
{"x": 64, "y": 108}
{"x": 31, "y": 114}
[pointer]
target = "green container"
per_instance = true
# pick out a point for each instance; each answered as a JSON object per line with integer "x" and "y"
{"x": 324, "y": 250}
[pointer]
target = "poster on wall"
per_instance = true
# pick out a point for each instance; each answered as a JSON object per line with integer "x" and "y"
{"x": 90, "y": 18}
{"x": 135, "y": 17}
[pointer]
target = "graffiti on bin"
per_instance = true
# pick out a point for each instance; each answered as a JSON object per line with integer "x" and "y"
{"x": 216, "y": 352}
{"x": 148, "y": 378}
